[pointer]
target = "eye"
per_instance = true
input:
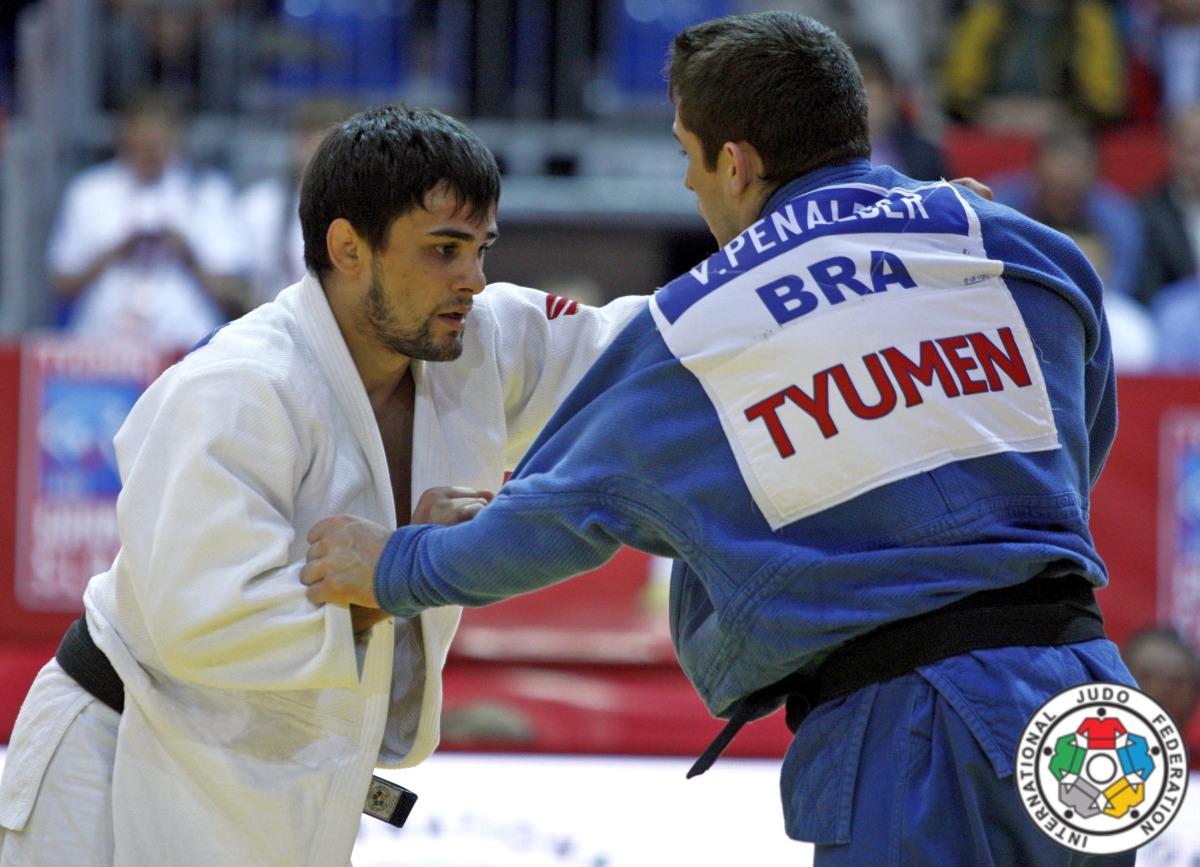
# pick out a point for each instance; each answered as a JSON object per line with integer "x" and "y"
{"x": 447, "y": 251}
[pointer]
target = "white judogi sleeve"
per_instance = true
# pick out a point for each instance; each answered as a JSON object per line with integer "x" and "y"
{"x": 546, "y": 343}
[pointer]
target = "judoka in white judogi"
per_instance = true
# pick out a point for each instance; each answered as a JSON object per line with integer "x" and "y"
{"x": 253, "y": 719}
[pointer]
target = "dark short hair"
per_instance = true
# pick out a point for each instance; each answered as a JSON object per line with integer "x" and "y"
{"x": 784, "y": 83}
{"x": 383, "y": 163}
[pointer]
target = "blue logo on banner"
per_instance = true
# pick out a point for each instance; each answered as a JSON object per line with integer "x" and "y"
{"x": 75, "y": 432}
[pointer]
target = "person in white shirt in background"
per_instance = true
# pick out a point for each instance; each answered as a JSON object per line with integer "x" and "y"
{"x": 146, "y": 246}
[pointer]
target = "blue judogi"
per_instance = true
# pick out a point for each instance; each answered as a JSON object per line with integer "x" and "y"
{"x": 881, "y": 398}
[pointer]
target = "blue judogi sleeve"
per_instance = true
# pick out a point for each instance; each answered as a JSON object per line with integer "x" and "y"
{"x": 576, "y": 498}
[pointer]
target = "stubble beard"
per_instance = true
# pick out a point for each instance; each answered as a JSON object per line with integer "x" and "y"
{"x": 418, "y": 343}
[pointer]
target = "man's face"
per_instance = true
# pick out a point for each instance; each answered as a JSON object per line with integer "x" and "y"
{"x": 1065, "y": 174}
{"x": 423, "y": 282}
{"x": 147, "y": 145}
{"x": 710, "y": 186}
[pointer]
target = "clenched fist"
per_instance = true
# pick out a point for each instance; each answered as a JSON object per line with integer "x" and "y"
{"x": 343, "y": 552}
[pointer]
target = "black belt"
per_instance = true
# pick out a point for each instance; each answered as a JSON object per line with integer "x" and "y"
{"x": 86, "y": 663}
{"x": 1042, "y": 612}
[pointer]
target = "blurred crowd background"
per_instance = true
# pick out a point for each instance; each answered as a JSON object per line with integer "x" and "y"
{"x": 149, "y": 149}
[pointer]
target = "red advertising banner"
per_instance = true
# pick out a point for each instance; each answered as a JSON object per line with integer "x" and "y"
{"x": 74, "y": 398}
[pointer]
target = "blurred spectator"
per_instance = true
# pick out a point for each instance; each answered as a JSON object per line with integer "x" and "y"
{"x": 199, "y": 48}
{"x": 895, "y": 140}
{"x": 146, "y": 245}
{"x": 1135, "y": 339}
{"x": 1178, "y": 44}
{"x": 1176, "y": 312}
{"x": 1168, "y": 280}
{"x": 1164, "y": 39}
{"x": 1064, "y": 190}
{"x": 1018, "y": 65}
{"x": 269, "y": 208}
{"x": 1171, "y": 213}
{"x": 1167, "y": 669}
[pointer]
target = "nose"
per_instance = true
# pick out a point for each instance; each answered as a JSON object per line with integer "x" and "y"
{"x": 474, "y": 280}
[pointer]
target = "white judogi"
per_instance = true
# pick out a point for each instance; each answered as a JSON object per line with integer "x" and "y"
{"x": 252, "y": 717}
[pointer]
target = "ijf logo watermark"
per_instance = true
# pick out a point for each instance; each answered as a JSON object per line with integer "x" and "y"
{"x": 1101, "y": 768}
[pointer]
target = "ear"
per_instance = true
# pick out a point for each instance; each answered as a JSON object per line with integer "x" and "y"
{"x": 347, "y": 249}
{"x": 744, "y": 166}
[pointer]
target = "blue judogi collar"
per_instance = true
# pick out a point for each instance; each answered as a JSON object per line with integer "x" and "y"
{"x": 839, "y": 174}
